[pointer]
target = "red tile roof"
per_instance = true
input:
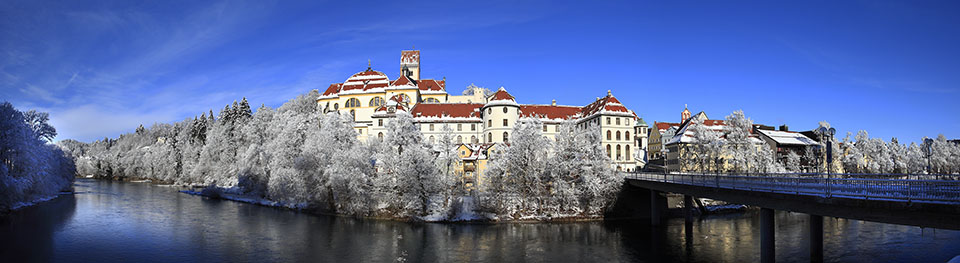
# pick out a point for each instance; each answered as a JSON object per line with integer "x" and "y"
{"x": 665, "y": 125}
{"x": 333, "y": 89}
{"x": 502, "y": 94}
{"x": 549, "y": 111}
{"x": 430, "y": 84}
{"x": 402, "y": 80}
{"x": 608, "y": 103}
{"x": 455, "y": 110}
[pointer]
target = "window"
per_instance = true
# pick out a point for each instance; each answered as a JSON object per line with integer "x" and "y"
{"x": 431, "y": 127}
{"x": 376, "y": 102}
{"x": 608, "y": 135}
{"x": 336, "y": 106}
{"x": 618, "y": 153}
{"x": 359, "y": 131}
{"x": 506, "y": 137}
{"x": 380, "y": 122}
{"x": 489, "y": 110}
{"x": 352, "y": 103}
{"x": 489, "y": 123}
{"x": 432, "y": 139}
{"x": 473, "y": 127}
{"x": 380, "y": 136}
{"x": 353, "y": 114}
{"x": 504, "y": 109}
{"x": 473, "y": 139}
{"x": 544, "y": 127}
{"x": 618, "y": 121}
{"x": 404, "y": 98}
{"x": 628, "y": 156}
{"x": 459, "y": 139}
{"x": 608, "y": 151}
{"x": 618, "y": 135}
{"x": 489, "y": 137}
{"x": 459, "y": 126}
{"x": 627, "y": 136}
{"x": 431, "y": 100}
{"x": 504, "y": 122}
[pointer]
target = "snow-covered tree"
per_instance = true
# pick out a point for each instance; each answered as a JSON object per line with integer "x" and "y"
{"x": 739, "y": 147}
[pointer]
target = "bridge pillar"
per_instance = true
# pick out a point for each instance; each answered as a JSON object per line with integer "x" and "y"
{"x": 767, "y": 242}
{"x": 816, "y": 238}
{"x": 688, "y": 209}
{"x": 655, "y": 208}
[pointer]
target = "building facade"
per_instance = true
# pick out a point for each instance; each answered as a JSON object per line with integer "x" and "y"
{"x": 476, "y": 120}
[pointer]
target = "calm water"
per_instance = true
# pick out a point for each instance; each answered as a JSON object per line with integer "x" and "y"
{"x": 134, "y": 222}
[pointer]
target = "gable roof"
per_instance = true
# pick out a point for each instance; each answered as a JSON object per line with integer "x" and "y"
{"x": 787, "y": 138}
{"x": 447, "y": 111}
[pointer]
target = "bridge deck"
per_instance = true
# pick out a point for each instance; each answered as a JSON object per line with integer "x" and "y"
{"x": 927, "y": 203}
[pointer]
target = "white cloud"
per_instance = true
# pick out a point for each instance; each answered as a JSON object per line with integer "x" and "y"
{"x": 92, "y": 122}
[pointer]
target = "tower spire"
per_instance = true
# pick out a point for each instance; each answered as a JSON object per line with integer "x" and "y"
{"x": 368, "y": 64}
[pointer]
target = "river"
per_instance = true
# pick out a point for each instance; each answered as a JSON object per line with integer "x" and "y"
{"x": 107, "y": 221}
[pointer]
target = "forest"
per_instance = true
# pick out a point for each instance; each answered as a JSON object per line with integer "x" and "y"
{"x": 298, "y": 157}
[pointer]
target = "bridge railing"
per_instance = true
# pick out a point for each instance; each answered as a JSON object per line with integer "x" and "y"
{"x": 910, "y": 190}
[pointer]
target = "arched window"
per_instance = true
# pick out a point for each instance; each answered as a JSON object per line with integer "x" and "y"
{"x": 336, "y": 106}
{"x": 432, "y": 139}
{"x": 376, "y": 102}
{"x": 618, "y": 135}
{"x": 380, "y": 136}
{"x": 459, "y": 139}
{"x": 489, "y": 110}
{"x": 404, "y": 98}
{"x": 608, "y": 135}
{"x": 489, "y": 137}
{"x": 352, "y": 103}
{"x": 431, "y": 100}
{"x": 628, "y": 156}
{"x": 608, "y": 152}
{"x": 506, "y": 137}
{"x": 619, "y": 156}
{"x": 473, "y": 139}
{"x": 627, "y": 136}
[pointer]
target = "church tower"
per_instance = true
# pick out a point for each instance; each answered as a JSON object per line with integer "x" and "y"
{"x": 410, "y": 64}
{"x": 685, "y": 114}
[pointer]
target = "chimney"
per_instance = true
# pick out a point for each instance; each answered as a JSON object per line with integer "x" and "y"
{"x": 554, "y": 103}
{"x": 784, "y": 128}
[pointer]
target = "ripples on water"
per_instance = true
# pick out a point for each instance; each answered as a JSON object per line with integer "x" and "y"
{"x": 133, "y": 222}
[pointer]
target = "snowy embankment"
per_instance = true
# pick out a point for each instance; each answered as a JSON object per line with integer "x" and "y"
{"x": 21, "y": 205}
{"x": 234, "y": 194}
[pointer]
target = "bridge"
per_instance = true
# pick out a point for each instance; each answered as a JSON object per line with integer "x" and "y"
{"x": 918, "y": 200}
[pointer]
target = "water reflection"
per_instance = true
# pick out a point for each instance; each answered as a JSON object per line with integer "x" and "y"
{"x": 112, "y": 221}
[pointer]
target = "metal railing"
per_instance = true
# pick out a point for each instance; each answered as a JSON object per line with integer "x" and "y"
{"x": 908, "y": 190}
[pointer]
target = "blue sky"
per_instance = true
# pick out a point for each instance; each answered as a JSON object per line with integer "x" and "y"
{"x": 102, "y": 68}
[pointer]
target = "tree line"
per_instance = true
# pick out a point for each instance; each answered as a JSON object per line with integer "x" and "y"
{"x": 299, "y": 157}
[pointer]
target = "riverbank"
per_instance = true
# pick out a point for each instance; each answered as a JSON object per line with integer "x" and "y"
{"x": 22, "y": 205}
